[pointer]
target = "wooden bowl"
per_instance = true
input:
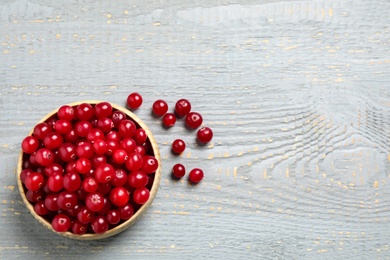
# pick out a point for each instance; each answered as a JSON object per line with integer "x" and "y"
{"x": 137, "y": 214}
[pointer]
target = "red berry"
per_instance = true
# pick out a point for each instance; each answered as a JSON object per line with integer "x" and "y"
{"x": 119, "y": 156}
{"x": 34, "y": 196}
{"x": 103, "y": 109}
{"x": 140, "y": 136}
{"x": 104, "y": 188}
{"x": 106, "y": 206}
{"x": 40, "y": 208}
{"x": 100, "y": 147}
{"x": 25, "y": 173}
{"x": 52, "y": 169}
{"x": 41, "y": 130}
{"x": 120, "y": 178}
{"x": 113, "y": 136}
{"x": 160, "y": 107}
{"x": 178, "y": 146}
{"x": 205, "y": 134}
{"x": 84, "y": 215}
{"x": 34, "y": 181}
{"x": 104, "y": 173}
{"x": 72, "y": 181}
{"x": 67, "y": 200}
{"x": 67, "y": 152}
{"x": 193, "y": 120}
{"x": 51, "y": 202}
{"x": 30, "y": 144}
{"x": 196, "y": 175}
{"x": 105, "y": 124}
{"x": 84, "y": 111}
{"x": 90, "y": 184}
{"x": 127, "y": 128}
{"x": 141, "y": 195}
{"x": 140, "y": 149}
{"x": 71, "y": 137}
{"x": 53, "y": 140}
{"x": 83, "y": 165}
{"x": 119, "y": 196}
{"x": 150, "y": 164}
{"x": 134, "y": 100}
{"x": 128, "y": 144}
{"x": 117, "y": 117}
{"x": 99, "y": 225}
{"x": 84, "y": 150}
{"x": 134, "y": 162}
{"x": 94, "y": 201}
{"x": 82, "y": 128}
{"x": 66, "y": 112}
{"x": 112, "y": 146}
{"x": 137, "y": 179}
{"x": 44, "y": 157}
{"x": 61, "y": 223}
{"x": 169, "y": 119}
{"x": 113, "y": 216}
{"x": 94, "y": 135}
{"x": 79, "y": 228}
{"x": 62, "y": 126}
{"x": 55, "y": 182}
{"x": 178, "y": 170}
{"x": 96, "y": 160}
{"x": 126, "y": 212}
{"x": 182, "y": 107}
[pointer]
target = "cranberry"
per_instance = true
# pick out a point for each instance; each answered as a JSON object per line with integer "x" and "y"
{"x": 141, "y": 195}
{"x": 169, "y": 119}
{"x": 127, "y": 128}
{"x": 71, "y": 137}
{"x": 90, "y": 184}
{"x": 94, "y": 201}
{"x": 193, "y": 120}
{"x": 205, "y": 134}
{"x": 119, "y": 156}
{"x": 94, "y": 135}
{"x": 34, "y": 196}
{"x": 63, "y": 126}
{"x": 67, "y": 200}
{"x": 196, "y": 175}
{"x": 113, "y": 136}
{"x": 134, "y": 162}
{"x": 113, "y": 216}
{"x": 100, "y": 147}
{"x": 61, "y": 223}
{"x": 44, "y": 157}
{"x": 83, "y": 165}
{"x": 34, "y": 181}
{"x": 66, "y": 112}
{"x": 41, "y": 130}
{"x": 112, "y": 146}
{"x": 96, "y": 160}
{"x": 126, "y": 212}
{"x": 51, "y": 202}
{"x": 182, "y": 107}
{"x": 84, "y": 111}
{"x": 150, "y": 164}
{"x": 55, "y": 182}
{"x": 103, "y": 109}
{"x": 53, "y": 140}
{"x": 82, "y": 128}
{"x": 140, "y": 149}
{"x": 128, "y": 144}
{"x": 79, "y": 228}
{"x": 25, "y": 173}
{"x": 30, "y": 144}
{"x": 119, "y": 196}
{"x": 120, "y": 178}
{"x": 178, "y": 146}
{"x": 67, "y": 152}
{"x": 52, "y": 169}
{"x": 117, "y": 117}
{"x": 85, "y": 215}
{"x": 137, "y": 179}
{"x": 160, "y": 107}
{"x": 178, "y": 170}
{"x": 72, "y": 181}
{"x": 40, "y": 208}
{"x": 99, "y": 225}
{"x": 84, "y": 150}
{"x": 106, "y": 206}
{"x": 104, "y": 173}
{"x": 105, "y": 124}
{"x": 104, "y": 188}
{"x": 140, "y": 136}
{"x": 134, "y": 100}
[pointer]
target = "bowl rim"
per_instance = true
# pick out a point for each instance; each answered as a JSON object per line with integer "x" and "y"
{"x": 125, "y": 225}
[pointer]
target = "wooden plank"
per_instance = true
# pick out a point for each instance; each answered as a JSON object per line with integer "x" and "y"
{"x": 297, "y": 93}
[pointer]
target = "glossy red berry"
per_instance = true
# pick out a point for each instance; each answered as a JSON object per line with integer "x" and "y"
{"x": 127, "y": 128}
{"x": 55, "y": 182}
{"x": 84, "y": 111}
{"x": 104, "y": 173}
{"x": 84, "y": 150}
{"x": 83, "y": 165}
{"x": 53, "y": 140}
{"x": 90, "y": 184}
{"x": 141, "y": 195}
{"x": 41, "y": 130}
{"x": 137, "y": 179}
{"x": 182, "y": 107}
{"x": 40, "y": 208}
{"x": 72, "y": 181}
{"x": 67, "y": 152}
{"x": 78, "y": 228}
{"x": 113, "y": 136}
{"x": 160, "y": 107}
{"x": 25, "y": 173}
{"x": 97, "y": 160}
{"x": 113, "y": 216}
{"x": 94, "y": 201}
{"x": 134, "y": 162}
{"x": 66, "y": 112}
{"x": 205, "y": 134}
{"x": 52, "y": 169}
{"x": 67, "y": 200}
{"x": 105, "y": 124}
{"x": 140, "y": 136}
{"x": 82, "y": 128}
{"x": 128, "y": 144}
{"x": 196, "y": 175}
{"x": 117, "y": 117}
{"x": 99, "y": 225}
{"x": 44, "y": 157}
{"x": 134, "y": 100}
{"x": 112, "y": 146}
{"x": 119, "y": 196}
{"x": 193, "y": 120}
{"x": 169, "y": 119}
{"x": 120, "y": 178}
{"x": 103, "y": 109}
{"x": 34, "y": 196}
{"x": 150, "y": 164}
{"x": 62, "y": 126}
{"x": 178, "y": 170}
{"x": 126, "y": 212}
{"x": 100, "y": 147}
{"x": 94, "y": 135}
{"x": 30, "y": 144}
{"x": 119, "y": 156}
{"x": 61, "y": 223}
{"x": 71, "y": 137}
{"x": 178, "y": 146}
{"x": 34, "y": 181}
{"x": 85, "y": 215}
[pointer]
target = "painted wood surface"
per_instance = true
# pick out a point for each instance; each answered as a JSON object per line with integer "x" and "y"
{"x": 298, "y": 95}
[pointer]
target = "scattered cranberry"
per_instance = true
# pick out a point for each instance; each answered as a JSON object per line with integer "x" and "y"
{"x": 182, "y": 107}
{"x": 134, "y": 100}
{"x": 196, "y": 175}
{"x": 205, "y": 134}
{"x": 169, "y": 119}
{"x": 178, "y": 170}
{"x": 160, "y": 107}
{"x": 178, "y": 146}
{"x": 193, "y": 120}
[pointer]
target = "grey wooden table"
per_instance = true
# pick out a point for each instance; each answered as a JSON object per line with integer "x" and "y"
{"x": 298, "y": 95}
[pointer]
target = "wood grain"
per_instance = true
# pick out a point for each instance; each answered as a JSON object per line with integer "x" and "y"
{"x": 297, "y": 93}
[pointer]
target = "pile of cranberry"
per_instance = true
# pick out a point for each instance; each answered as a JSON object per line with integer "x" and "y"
{"x": 193, "y": 120}
{"x": 88, "y": 168}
